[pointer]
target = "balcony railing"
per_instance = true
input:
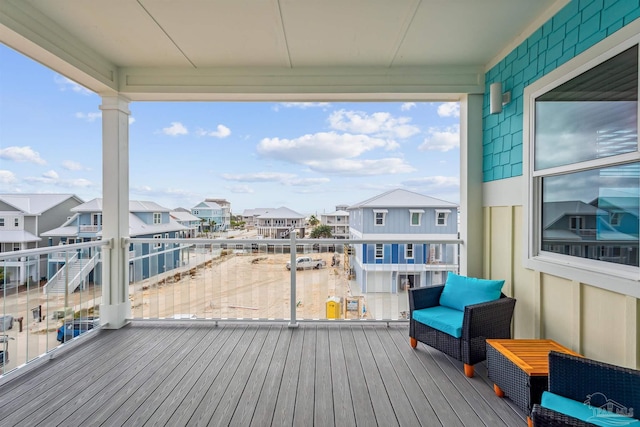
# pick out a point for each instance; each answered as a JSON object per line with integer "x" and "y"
{"x": 31, "y": 318}
{"x": 231, "y": 279}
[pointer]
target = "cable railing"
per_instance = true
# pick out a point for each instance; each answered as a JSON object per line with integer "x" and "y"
{"x": 250, "y": 279}
{"x": 327, "y": 280}
{"x": 34, "y": 322}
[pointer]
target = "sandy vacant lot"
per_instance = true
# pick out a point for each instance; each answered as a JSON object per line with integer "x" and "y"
{"x": 241, "y": 285}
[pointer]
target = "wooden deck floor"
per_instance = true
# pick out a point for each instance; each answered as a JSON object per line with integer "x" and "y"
{"x": 252, "y": 374}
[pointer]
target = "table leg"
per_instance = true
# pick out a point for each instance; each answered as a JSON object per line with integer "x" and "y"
{"x": 498, "y": 390}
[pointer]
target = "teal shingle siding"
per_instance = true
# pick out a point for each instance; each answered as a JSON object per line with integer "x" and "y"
{"x": 574, "y": 29}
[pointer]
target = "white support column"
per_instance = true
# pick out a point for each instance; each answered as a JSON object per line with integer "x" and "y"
{"x": 471, "y": 223}
{"x": 116, "y": 307}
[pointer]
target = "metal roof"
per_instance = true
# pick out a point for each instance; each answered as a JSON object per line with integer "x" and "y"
{"x": 17, "y": 236}
{"x": 400, "y": 198}
{"x": 95, "y": 205}
{"x": 281, "y": 212}
{"x": 35, "y": 204}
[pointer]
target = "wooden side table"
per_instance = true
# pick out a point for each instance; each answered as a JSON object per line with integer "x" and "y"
{"x": 519, "y": 369}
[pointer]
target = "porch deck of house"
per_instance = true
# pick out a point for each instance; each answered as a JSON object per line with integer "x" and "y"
{"x": 200, "y": 373}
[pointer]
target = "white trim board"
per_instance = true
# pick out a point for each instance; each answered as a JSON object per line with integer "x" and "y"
{"x": 504, "y": 192}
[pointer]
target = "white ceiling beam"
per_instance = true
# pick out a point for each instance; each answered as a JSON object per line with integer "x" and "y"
{"x": 245, "y": 84}
{"x": 28, "y": 31}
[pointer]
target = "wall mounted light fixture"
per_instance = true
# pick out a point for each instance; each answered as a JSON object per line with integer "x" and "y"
{"x": 497, "y": 99}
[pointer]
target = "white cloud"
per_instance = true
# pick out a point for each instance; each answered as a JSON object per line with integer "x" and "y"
{"x": 221, "y": 132}
{"x": 70, "y": 165}
{"x": 7, "y": 177}
{"x": 175, "y": 129}
{"x": 407, "y": 106}
{"x": 53, "y": 175}
{"x": 131, "y": 120}
{"x": 429, "y": 183}
{"x": 283, "y": 178}
{"x": 240, "y": 189}
{"x": 350, "y": 167}
{"x": 76, "y": 183}
{"x": 307, "y": 182}
{"x": 21, "y": 154}
{"x": 67, "y": 84}
{"x": 303, "y": 105}
{"x": 166, "y": 193}
{"x": 441, "y": 139}
{"x": 321, "y": 146}
{"x": 377, "y": 124}
{"x": 449, "y": 109}
{"x": 89, "y": 117}
{"x": 259, "y": 177}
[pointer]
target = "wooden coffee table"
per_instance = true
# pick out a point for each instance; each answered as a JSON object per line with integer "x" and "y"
{"x": 519, "y": 369}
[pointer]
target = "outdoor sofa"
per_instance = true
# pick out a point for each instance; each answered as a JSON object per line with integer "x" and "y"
{"x": 457, "y": 317}
{"x": 585, "y": 392}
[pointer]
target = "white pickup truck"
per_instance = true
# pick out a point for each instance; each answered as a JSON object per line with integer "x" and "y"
{"x": 306, "y": 262}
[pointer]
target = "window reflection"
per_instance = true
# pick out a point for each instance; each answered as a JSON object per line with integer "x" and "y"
{"x": 591, "y": 116}
{"x": 593, "y": 214}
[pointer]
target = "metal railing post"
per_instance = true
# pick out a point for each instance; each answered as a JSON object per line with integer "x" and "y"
{"x": 292, "y": 249}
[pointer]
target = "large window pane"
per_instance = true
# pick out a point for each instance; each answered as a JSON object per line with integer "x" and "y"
{"x": 593, "y": 214}
{"x": 591, "y": 116}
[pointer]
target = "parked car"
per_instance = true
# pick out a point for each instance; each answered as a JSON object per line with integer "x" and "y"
{"x": 305, "y": 262}
{"x": 72, "y": 328}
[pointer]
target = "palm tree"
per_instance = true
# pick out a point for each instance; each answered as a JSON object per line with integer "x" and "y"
{"x": 313, "y": 221}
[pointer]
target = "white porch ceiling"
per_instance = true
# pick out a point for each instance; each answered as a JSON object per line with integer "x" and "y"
{"x": 272, "y": 49}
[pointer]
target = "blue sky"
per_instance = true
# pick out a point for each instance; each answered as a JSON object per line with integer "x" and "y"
{"x": 308, "y": 157}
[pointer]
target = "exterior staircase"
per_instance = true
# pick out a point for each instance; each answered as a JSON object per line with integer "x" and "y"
{"x": 73, "y": 273}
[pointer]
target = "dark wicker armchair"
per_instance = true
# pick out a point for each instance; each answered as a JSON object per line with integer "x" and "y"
{"x": 481, "y": 321}
{"x": 578, "y": 379}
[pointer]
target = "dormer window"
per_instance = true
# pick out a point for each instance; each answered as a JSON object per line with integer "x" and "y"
{"x": 415, "y": 217}
{"x": 157, "y": 218}
{"x": 16, "y": 222}
{"x": 379, "y": 215}
{"x": 1, "y": 222}
{"x": 441, "y": 217}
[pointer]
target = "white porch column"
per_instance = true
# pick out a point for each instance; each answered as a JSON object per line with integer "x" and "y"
{"x": 116, "y": 307}
{"x": 471, "y": 222}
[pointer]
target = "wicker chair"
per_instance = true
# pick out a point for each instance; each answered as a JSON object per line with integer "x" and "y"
{"x": 481, "y": 321}
{"x": 579, "y": 379}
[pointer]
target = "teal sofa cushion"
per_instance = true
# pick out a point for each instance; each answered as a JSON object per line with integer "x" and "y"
{"x": 584, "y": 412}
{"x": 461, "y": 291}
{"x": 444, "y": 319}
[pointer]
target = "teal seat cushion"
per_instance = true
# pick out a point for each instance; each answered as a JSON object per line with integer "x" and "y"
{"x": 584, "y": 412}
{"x": 461, "y": 291}
{"x": 444, "y": 319}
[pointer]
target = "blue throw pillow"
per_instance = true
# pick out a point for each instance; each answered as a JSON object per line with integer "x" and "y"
{"x": 461, "y": 291}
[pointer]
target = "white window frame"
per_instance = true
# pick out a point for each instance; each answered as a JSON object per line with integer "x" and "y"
{"x": 157, "y": 245}
{"x": 383, "y": 213}
{"x": 610, "y": 276}
{"x": 16, "y": 222}
{"x": 413, "y": 212}
{"x": 408, "y": 251}
{"x": 445, "y": 213}
{"x": 157, "y": 218}
{"x": 96, "y": 219}
{"x": 379, "y": 251}
{"x": 1, "y": 221}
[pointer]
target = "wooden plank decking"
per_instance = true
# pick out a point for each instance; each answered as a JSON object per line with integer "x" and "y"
{"x": 196, "y": 373}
